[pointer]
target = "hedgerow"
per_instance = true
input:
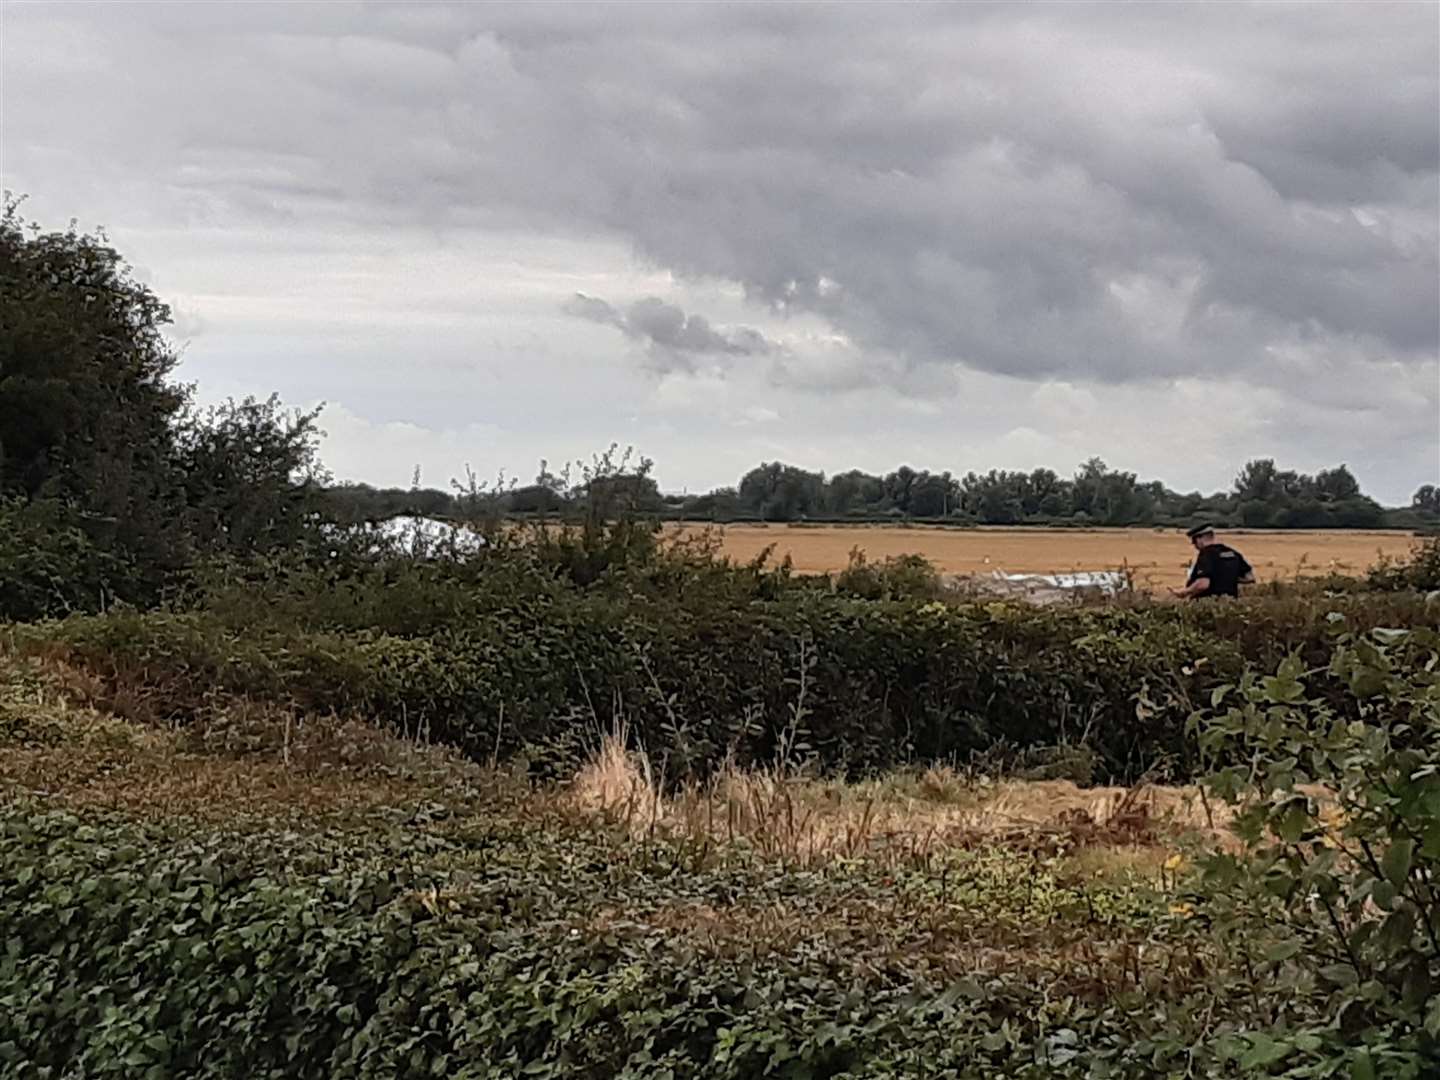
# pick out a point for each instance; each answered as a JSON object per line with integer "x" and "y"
{"x": 519, "y": 666}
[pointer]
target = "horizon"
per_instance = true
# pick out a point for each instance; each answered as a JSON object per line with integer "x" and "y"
{"x": 1003, "y": 235}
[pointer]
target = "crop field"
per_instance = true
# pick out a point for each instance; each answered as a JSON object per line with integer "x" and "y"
{"x": 1158, "y": 556}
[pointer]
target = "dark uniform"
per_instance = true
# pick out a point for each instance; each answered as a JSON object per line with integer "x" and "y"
{"x": 1224, "y": 566}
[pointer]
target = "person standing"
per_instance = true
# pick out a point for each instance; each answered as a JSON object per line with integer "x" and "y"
{"x": 1219, "y": 569}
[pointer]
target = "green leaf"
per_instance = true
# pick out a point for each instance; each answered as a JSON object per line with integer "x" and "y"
{"x": 1363, "y": 1067}
{"x": 1293, "y": 821}
{"x": 1283, "y": 951}
{"x": 1339, "y": 974}
{"x": 1264, "y": 1051}
{"x": 1396, "y": 862}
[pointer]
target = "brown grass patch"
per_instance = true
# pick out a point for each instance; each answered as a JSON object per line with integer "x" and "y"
{"x": 806, "y": 821}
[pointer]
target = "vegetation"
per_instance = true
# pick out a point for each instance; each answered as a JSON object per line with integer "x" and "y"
{"x": 284, "y": 796}
{"x": 269, "y": 893}
{"x": 115, "y": 485}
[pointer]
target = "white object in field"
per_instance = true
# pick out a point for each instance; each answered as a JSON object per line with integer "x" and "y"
{"x": 1107, "y": 581}
{"x": 426, "y": 534}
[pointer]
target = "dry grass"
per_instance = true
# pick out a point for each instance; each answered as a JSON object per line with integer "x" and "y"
{"x": 1159, "y": 557}
{"x": 240, "y": 758}
{"x": 805, "y": 822}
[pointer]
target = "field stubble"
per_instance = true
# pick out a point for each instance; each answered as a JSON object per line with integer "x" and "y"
{"x": 1158, "y": 557}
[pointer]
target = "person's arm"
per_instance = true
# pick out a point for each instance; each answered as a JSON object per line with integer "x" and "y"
{"x": 1247, "y": 572}
{"x": 1199, "y": 582}
{"x": 1197, "y": 587}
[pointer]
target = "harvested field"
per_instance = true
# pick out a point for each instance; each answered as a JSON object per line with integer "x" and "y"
{"x": 1158, "y": 556}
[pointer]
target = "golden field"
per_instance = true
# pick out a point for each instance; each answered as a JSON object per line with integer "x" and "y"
{"x": 1157, "y": 556}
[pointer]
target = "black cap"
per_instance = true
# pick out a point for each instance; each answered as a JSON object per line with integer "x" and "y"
{"x": 1200, "y": 530}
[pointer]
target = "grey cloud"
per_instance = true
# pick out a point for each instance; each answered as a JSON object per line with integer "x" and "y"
{"x": 977, "y": 178}
{"x": 673, "y": 339}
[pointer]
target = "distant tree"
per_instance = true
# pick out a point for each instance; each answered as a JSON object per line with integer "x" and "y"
{"x": 722, "y": 504}
{"x": 1258, "y": 481}
{"x": 932, "y": 495}
{"x": 996, "y": 498}
{"x": 534, "y": 499}
{"x": 897, "y": 488}
{"x": 779, "y": 492}
{"x": 855, "y": 492}
{"x": 351, "y": 503}
{"x": 1045, "y": 494}
{"x": 1427, "y": 499}
{"x": 1108, "y": 497}
{"x": 1360, "y": 512}
{"x": 631, "y": 492}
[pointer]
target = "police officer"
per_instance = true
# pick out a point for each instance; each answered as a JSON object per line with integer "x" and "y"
{"x": 1219, "y": 570}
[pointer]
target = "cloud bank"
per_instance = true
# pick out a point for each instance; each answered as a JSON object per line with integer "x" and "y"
{"x": 903, "y": 198}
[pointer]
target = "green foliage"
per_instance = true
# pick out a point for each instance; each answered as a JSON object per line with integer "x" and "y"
{"x": 251, "y": 476}
{"x": 1263, "y": 496}
{"x": 503, "y": 653}
{"x": 1421, "y": 571}
{"x": 99, "y": 450}
{"x": 1338, "y": 893}
{"x": 49, "y": 566}
{"x": 487, "y": 951}
{"x": 86, "y": 403}
{"x": 904, "y": 577}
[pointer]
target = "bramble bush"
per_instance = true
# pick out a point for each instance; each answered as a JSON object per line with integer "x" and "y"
{"x": 1337, "y": 895}
{"x": 1421, "y": 571}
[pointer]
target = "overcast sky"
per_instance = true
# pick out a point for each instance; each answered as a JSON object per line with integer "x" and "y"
{"x": 841, "y": 235}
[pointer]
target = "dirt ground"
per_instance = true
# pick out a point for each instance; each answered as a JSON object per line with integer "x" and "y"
{"x": 1157, "y": 556}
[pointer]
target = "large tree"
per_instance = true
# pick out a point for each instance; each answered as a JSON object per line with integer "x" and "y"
{"x": 87, "y": 403}
{"x": 100, "y": 446}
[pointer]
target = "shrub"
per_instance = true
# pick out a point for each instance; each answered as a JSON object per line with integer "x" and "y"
{"x": 1338, "y": 895}
{"x": 1421, "y": 571}
{"x": 48, "y": 565}
{"x": 903, "y": 577}
{"x": 506, "y": 660}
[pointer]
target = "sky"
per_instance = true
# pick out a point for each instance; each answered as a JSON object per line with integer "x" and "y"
{"x": 843, "y": 236}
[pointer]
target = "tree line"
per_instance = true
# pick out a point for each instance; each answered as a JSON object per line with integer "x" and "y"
{"x": 1262, "y": 496}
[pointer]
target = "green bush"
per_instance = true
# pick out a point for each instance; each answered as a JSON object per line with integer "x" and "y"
{"x": 904, "y": 577}
{"x": 516, "y": 663}
{"x": 509, "y": 950}
{"x": 48, "y": 565}
{"x": 1421, "y": 571}
{"x": 148, "y": 951}
{"x": 1338, "y": 894}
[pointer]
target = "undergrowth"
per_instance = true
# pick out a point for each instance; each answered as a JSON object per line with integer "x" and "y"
{"x": 381, "y": 907}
